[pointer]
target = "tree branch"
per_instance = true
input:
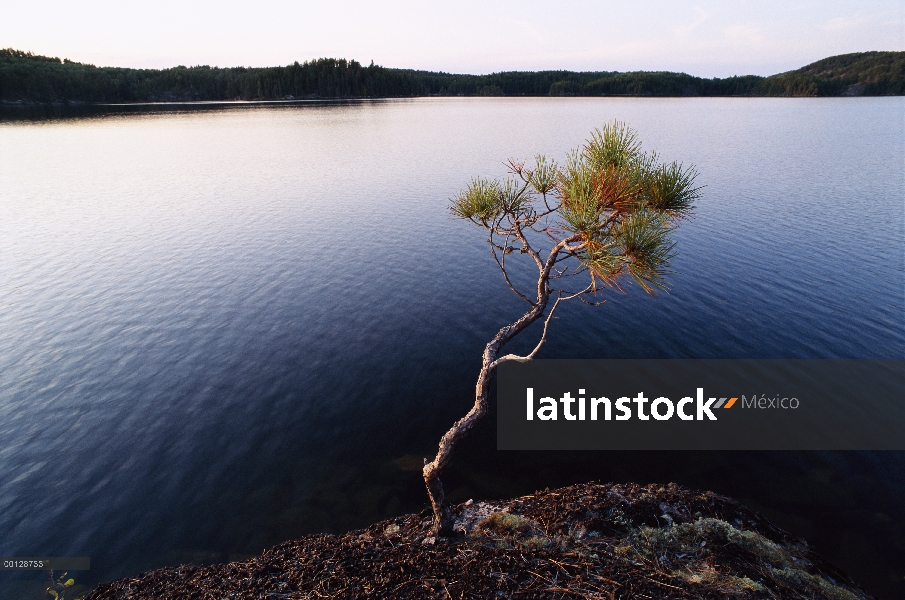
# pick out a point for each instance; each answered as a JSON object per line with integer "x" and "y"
{"x": 527, "y": 247}
{"x": 501, "y": 264}
{"x": 588, "y": 289}
{"x": 543, "y": 338}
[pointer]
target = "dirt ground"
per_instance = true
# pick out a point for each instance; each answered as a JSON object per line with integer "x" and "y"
{"x": 603, "y": 541}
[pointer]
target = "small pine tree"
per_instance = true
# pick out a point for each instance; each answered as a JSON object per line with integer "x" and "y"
{"x": 607, "y": 215}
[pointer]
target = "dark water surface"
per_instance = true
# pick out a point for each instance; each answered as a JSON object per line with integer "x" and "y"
{"x": 224, "y": 329}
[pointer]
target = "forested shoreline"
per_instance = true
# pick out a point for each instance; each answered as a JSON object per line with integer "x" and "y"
{"x": 30, "y": 78}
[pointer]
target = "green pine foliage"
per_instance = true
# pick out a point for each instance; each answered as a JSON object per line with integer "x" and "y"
{"x": 617, "y": 204}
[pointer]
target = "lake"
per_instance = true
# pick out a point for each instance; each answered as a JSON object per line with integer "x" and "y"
{"x": 226, "y": 327}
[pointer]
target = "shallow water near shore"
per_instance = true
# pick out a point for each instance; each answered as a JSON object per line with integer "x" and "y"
{"x": 222, "y": 329}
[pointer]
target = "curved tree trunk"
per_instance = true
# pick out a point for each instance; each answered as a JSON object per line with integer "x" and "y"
{"x": 442, "y": 519}
{"x": 432, "y": 470}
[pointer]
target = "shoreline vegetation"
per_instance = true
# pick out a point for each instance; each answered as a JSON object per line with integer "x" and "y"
{"x": 583, "y": 541}
{"x": 27, "y": 78}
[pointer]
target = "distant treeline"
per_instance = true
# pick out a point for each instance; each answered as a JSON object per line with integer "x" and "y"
{"x": 26, "y": 77}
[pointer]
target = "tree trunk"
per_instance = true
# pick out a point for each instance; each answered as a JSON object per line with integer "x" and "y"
{"x": 442, "y": 518}
{"x": 432, "y": 470}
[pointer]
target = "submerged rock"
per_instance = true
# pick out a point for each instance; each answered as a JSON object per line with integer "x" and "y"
{"x": 584, "y": 541}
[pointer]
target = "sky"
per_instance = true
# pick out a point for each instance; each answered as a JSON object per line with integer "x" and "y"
{"x": 707, "y": 39}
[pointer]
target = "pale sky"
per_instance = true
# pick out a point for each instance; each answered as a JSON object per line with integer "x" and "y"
{"x": 703, "y": 38}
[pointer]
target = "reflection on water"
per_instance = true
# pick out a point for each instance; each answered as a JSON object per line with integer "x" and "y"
{"x": 221, "y": 329}
{"x": 13, "y": 112}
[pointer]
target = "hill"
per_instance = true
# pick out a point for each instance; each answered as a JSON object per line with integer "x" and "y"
{"x": 31, "y": 78}
{"x": 858, "y": 74}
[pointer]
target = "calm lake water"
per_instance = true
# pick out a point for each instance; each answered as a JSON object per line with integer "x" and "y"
{"x": 222, "y": 329}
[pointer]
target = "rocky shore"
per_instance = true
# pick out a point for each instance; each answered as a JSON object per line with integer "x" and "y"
{"x": 584, "y": 541}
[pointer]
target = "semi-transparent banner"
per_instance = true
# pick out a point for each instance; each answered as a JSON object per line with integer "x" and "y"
{"x": 701, "y": 405}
